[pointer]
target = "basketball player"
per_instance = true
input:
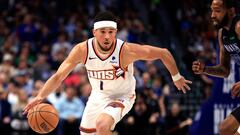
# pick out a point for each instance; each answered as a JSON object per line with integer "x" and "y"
{"x": 226, "y": 20}
{"x": 109, "y": 64}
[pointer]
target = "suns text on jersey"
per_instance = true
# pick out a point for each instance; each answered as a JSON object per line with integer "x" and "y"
{"x": 109, "y": 74}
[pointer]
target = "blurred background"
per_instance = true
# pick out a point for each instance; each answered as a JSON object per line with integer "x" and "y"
{"x": 37, "y": 35}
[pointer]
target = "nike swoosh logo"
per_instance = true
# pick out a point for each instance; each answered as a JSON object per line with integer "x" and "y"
{"x": 91, "y": 58}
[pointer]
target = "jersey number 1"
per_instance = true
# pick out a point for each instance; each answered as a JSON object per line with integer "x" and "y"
{"x": 101, "y": 85}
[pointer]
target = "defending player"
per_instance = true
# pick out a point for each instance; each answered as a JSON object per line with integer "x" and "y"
{"x": 226, "y": 20}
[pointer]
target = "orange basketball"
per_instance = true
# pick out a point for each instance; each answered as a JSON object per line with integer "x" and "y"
{"x": 43, "y": 118}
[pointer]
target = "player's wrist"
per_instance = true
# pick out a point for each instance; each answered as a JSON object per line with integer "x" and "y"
{"x": 176, "y": 77}
{"x": 39, "y": 97}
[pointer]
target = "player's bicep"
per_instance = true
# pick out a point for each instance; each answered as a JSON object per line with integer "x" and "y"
{"x": 237, "y": 29}
{"x": 224, "y": 55}
{"x": 140, "y": 52}
{"x": 144, "y": 52}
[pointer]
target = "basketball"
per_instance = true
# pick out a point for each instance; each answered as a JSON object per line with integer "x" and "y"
{"x": 43, "y": 118}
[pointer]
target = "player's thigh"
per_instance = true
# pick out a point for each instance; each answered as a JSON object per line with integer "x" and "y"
{"x": 231, "y": 122}
{"x": 90, "y": 114}
{"x": 117, "y": 109}
{"x": 236, "y": 114}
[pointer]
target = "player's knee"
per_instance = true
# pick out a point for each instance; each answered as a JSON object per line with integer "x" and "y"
{"x": 102, "y": 124}
{"x": 224, "y": 128}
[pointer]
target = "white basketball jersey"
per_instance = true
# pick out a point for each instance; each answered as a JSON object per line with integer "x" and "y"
{"x": 105, "y": 75}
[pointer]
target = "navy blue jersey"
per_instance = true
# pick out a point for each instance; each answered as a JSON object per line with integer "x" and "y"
{"x": 231, "y": 42}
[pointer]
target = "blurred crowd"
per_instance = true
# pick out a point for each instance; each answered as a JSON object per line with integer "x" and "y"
{"x": 36, "y": 36}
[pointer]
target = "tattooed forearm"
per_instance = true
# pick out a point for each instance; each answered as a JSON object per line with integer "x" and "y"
{"x": 217, "y": 71}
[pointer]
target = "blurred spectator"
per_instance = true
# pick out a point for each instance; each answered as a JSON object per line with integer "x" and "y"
{"x": 80, "y": 34}
{"x": 157, "y": 86}
{"x": 24, "y": 81}
{"x": 61, "y": 44}
{"x": 7, "y": 65}
{"x": 41, "y": 68}
{"x": 3, "y": 80}
{"x": 5, "y": 113}
{"x": 38, "y": 84}
{"x": 176, "y": 122}
{"x": 12, "y": 90}
{"x": 26, "y": 53}
{"x": 27, "y": 31}
{"x": 138, "y": 119}
{"x": 85, "y": 91}
{"x": 70, "y": 110}
{"x": 19, "y": 122}
{"x": 46, "y": 35}
{"x": 4, "y": 31}
{"x": 10, "y": 44}
{"x": 147, "y": 81}
{"x": 56, "y": 96}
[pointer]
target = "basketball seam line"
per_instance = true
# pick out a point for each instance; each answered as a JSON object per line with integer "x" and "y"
{"x": 37, "y": 120}
{"x": 34, "y": 111}
{"x": 46, "y": 121}
{"x": 38, "y": 111}
{"x": 31, "y": 118}
{"x": 42, "y": 111}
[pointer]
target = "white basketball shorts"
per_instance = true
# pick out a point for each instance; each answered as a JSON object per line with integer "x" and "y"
{"x": 100, "y": 103}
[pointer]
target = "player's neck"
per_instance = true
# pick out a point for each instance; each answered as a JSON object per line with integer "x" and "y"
{"x": 229, "y": 24}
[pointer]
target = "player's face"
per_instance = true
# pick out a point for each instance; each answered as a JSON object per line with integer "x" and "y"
{"x": 105, "y": 37}
{"x": 219, "y": 14}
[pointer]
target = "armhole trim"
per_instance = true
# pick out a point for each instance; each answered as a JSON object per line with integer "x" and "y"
{"x": 120, "y": 56}
{"x": 85, "y": 61}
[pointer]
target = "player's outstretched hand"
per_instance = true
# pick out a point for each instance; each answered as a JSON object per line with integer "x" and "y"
{"x": 235, "y": 91}
{"x": 198, "y": 67}
{"x": 182, "y": 84}
{"x": 31, "y": 104}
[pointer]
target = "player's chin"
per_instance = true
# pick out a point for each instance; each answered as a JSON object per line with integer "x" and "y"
{"x": 216, "y": 25}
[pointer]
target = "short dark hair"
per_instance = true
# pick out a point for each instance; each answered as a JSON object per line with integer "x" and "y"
{"x": 230, "y": 3}
{"x": 105, "y": 16}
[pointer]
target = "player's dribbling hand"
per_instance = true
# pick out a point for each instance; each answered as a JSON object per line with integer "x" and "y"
{"x": 182, "y": 84}
{"x": 235, "y": 91}
{"x": 31, "y": 104}
{"x": 198, "y": 67}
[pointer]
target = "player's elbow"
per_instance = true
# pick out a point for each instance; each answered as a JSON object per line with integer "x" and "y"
{"x": 165, "y": 52}
{"x": 226, "y": 73}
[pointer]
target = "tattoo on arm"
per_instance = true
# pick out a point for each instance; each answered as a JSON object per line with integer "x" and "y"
{"x": 223, "y": 68}
{"x": 218, "y": 71}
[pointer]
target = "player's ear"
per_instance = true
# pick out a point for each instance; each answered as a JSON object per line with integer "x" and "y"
{"x": 232, "y": 11}
{"x": 93, "y": 32}
{"x": 237, "y": 28}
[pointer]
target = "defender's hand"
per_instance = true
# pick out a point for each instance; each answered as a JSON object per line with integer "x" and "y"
{"x": 35, "y": 101}
{"x": 235, "y": 91}
{"x": 198, "y": 67}
{"x": 182, "y": 84}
